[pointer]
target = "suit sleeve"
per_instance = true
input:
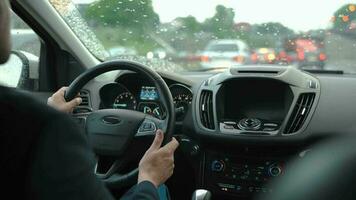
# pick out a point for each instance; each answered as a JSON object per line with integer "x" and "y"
{"x": 63, "y": 166}
{"x": 142, "y": 191}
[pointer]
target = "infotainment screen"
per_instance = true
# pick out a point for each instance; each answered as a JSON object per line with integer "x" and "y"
{"x": 148, "y": 93}
{"x": 259, "y": 98}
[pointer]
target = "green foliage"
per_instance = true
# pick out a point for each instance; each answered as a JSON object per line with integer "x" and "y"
{"x": 343, "y": 17}
{"x": 222, "y": 23}
{"x": 268, "y": 35}
{"x": 134, "y": 23}
{"x": 189, "y": 24}
{"x": 124, "y": 23}
{"x": 276, "y": 29}
{"x": 124, "y": 13}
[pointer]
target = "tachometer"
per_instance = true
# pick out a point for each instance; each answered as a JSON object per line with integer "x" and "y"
{"x": 125, "y": 101}
{"x": 182, "y": 98}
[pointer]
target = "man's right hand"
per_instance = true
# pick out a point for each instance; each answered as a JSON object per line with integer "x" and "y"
{"x": 157, "y": 164}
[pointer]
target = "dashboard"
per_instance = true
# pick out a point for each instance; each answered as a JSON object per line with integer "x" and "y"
{"x": 241, "y": 126}
{"x": 133, "y": 92}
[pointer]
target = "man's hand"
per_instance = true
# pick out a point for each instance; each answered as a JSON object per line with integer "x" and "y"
{"x": 157, "y": 164}
{"x": 58, "y": 102}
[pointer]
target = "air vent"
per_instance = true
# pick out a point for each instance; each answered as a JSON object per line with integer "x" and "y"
{"x": 85, "y": 98}
{"x": 300, "y": 112}
{"x": 206, "y": 109}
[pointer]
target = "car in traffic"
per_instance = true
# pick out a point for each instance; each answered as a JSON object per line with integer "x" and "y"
{"x": 263, "y": 56}
{"x": 304, "y": 52}
{"x": 224, "y": 54}
{"x": 309, "y": 53}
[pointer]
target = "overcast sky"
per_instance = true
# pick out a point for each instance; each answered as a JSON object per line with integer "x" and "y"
{"x": 299, "y": 15}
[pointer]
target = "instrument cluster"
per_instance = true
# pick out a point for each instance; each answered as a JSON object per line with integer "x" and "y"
{"x": 146, "y": 99}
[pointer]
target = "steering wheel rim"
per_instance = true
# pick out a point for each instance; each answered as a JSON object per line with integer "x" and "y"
{"x": 114, "y": 180}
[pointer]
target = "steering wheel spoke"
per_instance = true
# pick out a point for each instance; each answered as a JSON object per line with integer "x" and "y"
{"x": 105, "y": 168}
{"x": 80, "y": 118}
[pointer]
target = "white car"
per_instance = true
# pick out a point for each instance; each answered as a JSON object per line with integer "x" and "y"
{"x": 224, "y": 54}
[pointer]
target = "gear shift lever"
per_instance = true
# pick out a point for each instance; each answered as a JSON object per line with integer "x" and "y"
{"x": 201, "y": 195}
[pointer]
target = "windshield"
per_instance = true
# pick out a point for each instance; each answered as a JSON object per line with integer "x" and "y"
{"x": 199, "y": 35}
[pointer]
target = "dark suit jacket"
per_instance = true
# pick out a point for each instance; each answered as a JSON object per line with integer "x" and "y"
{"x": 44, "y": 154}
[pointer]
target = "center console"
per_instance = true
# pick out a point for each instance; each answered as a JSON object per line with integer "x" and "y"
{"x": 246, "y": 106}
{"x": 247, "y": 101}
{"x": 241, "y": 176}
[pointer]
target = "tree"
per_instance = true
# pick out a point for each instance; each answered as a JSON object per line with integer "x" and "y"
{"x": 273, "y": 28}
{"x": 269, "y": 34}
{"x": 189, "y": 24}
{"x": 344, "y": 19}
{"x": 125, "y": 13}
{"x": 221, "y": 24}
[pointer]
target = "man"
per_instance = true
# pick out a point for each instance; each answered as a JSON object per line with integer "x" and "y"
{"x": 45, "y": 156}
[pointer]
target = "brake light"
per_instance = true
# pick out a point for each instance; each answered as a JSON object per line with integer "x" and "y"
{"x": 300, "y": 55}
{"x": 282, "y": 54}
{"x": 239, "y": 59}
{"x": 322, "y": 57}
{"x": 271, "y": 57}
{"x": 254, "y": 57}
{"x": 204, "y": 58}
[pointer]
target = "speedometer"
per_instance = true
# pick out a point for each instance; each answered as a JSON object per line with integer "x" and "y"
{"x": 182, "y": 99}
{"x": 125, "y": 101}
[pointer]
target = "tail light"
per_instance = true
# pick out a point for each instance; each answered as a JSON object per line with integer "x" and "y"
{"x": 254, "y": 57}
{"x": 239, "y": 59}
{"x": 300, "y": 55}
{"x": 204, "y": 58}
{"x": 282, "y": 54}
{"x": 271, "y": 57}
{"x": 322, "y": 57}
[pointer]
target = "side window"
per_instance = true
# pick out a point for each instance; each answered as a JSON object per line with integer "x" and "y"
{"x": 21, "y": 70}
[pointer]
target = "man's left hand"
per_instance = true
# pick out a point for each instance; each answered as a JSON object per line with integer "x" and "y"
{"x": 58, "y": 102}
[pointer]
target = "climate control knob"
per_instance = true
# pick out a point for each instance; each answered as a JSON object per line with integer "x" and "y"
{"x": 217, "y": 166}
{"x": 275, "y": 170}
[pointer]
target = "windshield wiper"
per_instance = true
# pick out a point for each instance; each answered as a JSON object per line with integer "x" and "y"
{"x": 323, "y": 71}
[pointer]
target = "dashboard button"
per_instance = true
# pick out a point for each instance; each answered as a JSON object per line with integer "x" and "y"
{"x": 217, "y": 166}
{"x": 249, "y": 124}
{"x": 228, "y": 127}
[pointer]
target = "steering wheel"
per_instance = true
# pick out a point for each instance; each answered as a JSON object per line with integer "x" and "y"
{"x": 328, "y": 171}
{"x": 111, "y": 131}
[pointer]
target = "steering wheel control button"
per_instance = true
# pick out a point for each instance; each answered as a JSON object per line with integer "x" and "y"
{"x": 147, "y": 127}
{"x": 250, "y": 124}
{"x": 217, "y": 166}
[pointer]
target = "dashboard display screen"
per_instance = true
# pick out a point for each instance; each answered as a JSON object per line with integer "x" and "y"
{"x": 148, "y": 93}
